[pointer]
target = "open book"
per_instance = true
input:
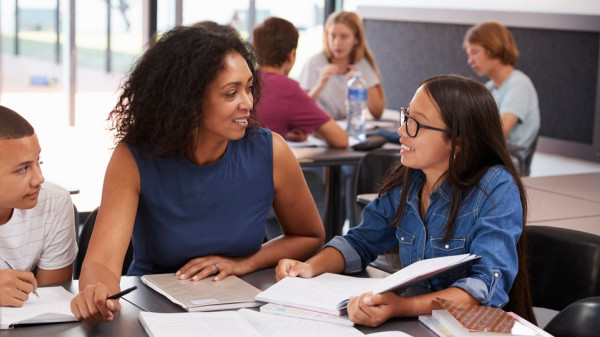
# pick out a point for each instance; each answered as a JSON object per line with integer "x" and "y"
{"x": 53, "y": 305}
{"x": 242, "y": 323}
{"x": 205, "y": 295}
{"x": 329, "y": 293}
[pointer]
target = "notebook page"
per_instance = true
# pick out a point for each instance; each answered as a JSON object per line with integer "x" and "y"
{"x": 321, "y": 293}
{"x": 53, "y": 305}
{"x": 280, "y": 326}
{"x": 192, "y": 324}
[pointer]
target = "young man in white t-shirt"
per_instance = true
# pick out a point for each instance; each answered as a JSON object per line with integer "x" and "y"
{"x": 37, "y": 230}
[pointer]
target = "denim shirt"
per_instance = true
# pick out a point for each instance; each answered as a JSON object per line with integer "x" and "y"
{"x": 489, "y": 223}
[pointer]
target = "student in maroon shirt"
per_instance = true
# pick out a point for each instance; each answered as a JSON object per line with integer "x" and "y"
{"x": 285, "y": 108}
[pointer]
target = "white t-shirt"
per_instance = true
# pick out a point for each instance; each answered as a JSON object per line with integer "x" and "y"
{"x": 43, "y": 236}
{"x": 332, "y": 98}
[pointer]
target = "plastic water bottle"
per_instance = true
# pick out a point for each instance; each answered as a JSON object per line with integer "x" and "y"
{"x": 356, "y": 107}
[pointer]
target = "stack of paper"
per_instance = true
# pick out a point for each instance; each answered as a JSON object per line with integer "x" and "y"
{"x": 243, "y": 323}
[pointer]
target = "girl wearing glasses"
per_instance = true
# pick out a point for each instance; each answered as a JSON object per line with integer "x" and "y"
{"x": 455, "y": 191}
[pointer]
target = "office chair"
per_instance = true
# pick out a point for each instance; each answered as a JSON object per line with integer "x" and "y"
{"x": 523, "y": 163}
{"x": 579, "y": 319}
{"x": 77, "y": 221}
{"x": 564, "y": 266}
{"x": 371, "y": 171}
{"x": 84, "y": 239}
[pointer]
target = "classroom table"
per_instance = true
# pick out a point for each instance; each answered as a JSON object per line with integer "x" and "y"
{"x": 585, "y": 186}
{"x": 567, "y": 201}
{"x": 145, "y": 299}
{"x": 332, "y": 160}
{"x": 545, "y": 206}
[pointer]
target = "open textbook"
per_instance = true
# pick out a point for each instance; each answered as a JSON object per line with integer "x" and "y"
{"x": 329, "y": 293}
{"x": 244, "y": 323}
{"x": 52, "y": 306}
{"x": 205, "y": 295}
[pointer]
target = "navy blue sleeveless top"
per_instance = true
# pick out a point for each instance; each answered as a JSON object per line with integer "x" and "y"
{"x": 187, "y": 211}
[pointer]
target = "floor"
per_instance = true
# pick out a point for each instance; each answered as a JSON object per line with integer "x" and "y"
{"x": 76, "y": 156}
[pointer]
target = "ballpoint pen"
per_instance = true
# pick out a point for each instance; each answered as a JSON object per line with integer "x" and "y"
{"x": 121, "y": 293}
{"x": 13, "y": 268}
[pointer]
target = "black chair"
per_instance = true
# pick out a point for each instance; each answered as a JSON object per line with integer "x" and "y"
{"x": 524, "y": 161}
{"x": 77, "y": 221}
{"x": 84, "y": 239}
{"x": 371, "y": 171}
{"x": 579, "y": 319}
{"x": 564, "y": 267}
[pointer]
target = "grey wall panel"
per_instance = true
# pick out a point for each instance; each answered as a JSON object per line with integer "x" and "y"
{"x": 563, "y": 66}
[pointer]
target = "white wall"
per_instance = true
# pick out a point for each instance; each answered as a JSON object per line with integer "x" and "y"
{"x": 542, "y": 6}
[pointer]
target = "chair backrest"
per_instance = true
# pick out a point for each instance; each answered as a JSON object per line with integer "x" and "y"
{"x": 371, "y": 171}
{"x": 525, "y": 169}
{"x": 579, "y": 319}
{"x": 77, "y": 221}
{"x": 523, "y": 161}
{"x": 84, "y": 240}
{"x": 564, "y": 266}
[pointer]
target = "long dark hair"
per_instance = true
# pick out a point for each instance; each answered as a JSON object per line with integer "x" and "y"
{"x": 470, "y": 112}
{"x": 161, "y": 104}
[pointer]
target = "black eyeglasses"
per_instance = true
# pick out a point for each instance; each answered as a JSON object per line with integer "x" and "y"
{"x": 413, "y": 126}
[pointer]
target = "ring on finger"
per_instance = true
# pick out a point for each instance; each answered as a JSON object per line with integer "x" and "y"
{"x": 217, "y": 269}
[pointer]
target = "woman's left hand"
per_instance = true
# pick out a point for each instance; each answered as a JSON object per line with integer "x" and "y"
{"x": 372, "y": 310}
{"x": 202, "y": 267}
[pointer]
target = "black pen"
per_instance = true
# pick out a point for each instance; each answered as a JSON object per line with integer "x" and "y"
{"x": 13, "y": 268}
{"x": 121, "y": 293}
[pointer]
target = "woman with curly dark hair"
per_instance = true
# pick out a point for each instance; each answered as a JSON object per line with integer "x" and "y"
{"x": 194, "y": 176}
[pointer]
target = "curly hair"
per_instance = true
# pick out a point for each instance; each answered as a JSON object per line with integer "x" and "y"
{"x": 160, "y": 108}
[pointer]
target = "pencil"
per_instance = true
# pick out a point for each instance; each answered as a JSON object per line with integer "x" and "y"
{"x": 13, "y": 268}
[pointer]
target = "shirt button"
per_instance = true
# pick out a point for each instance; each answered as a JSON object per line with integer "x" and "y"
{"x": 402, "y": 238}
{"x": 447, "y": 246}
{"x": 495, "y": 274}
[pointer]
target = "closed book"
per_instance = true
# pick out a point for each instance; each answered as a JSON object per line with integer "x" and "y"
{"x": 458, "y": 330}
{"x": 204, "y": 295}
